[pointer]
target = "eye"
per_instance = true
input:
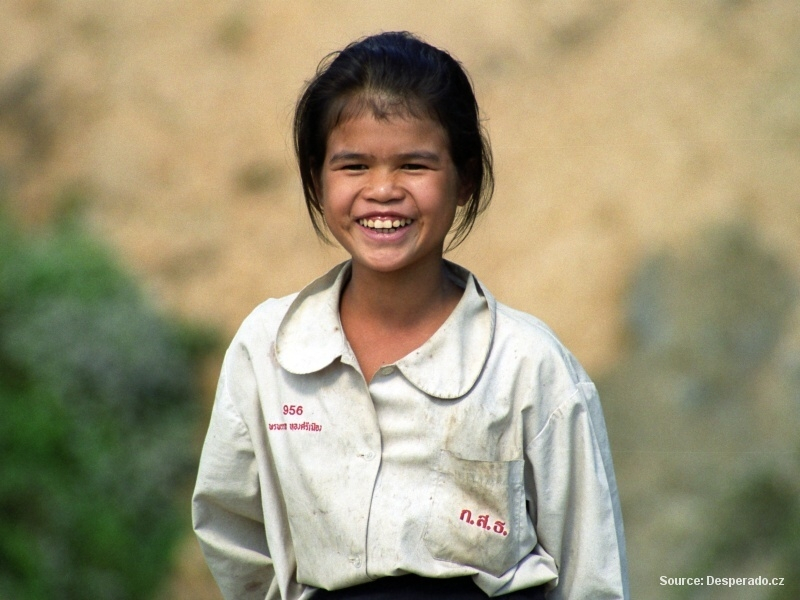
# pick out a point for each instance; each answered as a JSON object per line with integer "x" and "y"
{"x": 354, "y": 167}
{"x": 414, "y": 167}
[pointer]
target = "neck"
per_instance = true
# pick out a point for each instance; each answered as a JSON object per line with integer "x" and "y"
{"x": 399, "y": 299}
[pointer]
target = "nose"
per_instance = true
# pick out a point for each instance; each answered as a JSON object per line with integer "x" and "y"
{"x": 383, "y": 187}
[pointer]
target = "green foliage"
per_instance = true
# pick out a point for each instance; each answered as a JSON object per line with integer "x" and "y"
{"x": 97, "y": 405}
{"x": 714, "y": 315}
{"x": 701, "y": 413}
{"x": 758, "y": 517}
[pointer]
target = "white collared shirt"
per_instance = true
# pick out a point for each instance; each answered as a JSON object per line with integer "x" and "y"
{"x": 482, "y": 453}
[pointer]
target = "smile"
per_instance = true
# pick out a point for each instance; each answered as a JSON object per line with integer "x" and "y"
{"x": 385, "y": 225}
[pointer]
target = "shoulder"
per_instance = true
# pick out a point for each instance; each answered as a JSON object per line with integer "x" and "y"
{"x": 520, "y": 339}
{"x": 297, "y": 311}
{"x": 296, "y": 328}
{"x": 532, "y": 340}
{"x": 532, "y": 364}
{"x": 549, "y": 379}
{"x": 261, "y": 325}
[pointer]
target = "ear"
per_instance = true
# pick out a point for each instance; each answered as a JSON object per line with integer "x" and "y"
{"x": 466, "y": 184}
{"x": 464, "y": 194}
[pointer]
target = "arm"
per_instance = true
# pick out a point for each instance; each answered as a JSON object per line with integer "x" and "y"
{"x": 226, "y": 507}
{"x": 576, "y": 508}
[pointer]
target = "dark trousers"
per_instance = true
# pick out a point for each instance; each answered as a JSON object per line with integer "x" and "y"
{"x": 414, "y": 587}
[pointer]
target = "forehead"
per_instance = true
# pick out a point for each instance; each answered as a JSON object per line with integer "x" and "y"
{"x": 381, "y": 104}
{"x": 367, "y": 133}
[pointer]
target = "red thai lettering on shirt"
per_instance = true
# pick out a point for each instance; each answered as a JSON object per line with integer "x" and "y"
{"x": 499, "y": 527}
{"x": 304, "y": 426}
{"x": 292, "y": 410}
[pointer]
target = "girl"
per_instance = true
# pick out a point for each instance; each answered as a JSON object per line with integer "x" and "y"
{"x": 392, "y": 431}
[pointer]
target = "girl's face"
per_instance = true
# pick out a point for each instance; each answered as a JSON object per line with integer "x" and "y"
{"x": 389, "y": 190}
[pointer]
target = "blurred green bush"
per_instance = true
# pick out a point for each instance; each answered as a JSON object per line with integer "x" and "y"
{"x": 97, "y": 411}
{"x": 703, "y": 410}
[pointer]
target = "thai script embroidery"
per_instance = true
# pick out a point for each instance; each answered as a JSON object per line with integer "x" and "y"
{"x": 499, "y": 527}
{"x": 304, "y": 426}
{"x": 292, "y": 410}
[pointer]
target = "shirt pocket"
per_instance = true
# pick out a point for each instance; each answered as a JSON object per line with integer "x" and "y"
{"x": 478, "y": 516}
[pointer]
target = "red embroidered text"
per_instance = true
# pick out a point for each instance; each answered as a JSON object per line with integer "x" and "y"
{"x": 304, "y": 426}
{"x": 499, "y": 527}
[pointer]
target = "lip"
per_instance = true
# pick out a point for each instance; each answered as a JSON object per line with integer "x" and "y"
{"x": 383, "y": 215}
{"x": 382, "y": 237}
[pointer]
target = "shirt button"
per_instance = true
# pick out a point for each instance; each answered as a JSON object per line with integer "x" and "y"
{"x": 369, "y": 455}
{"x": 355, "y": 561}
{"x": 386, "y": 370}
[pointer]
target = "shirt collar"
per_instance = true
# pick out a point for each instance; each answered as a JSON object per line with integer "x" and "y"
{"x": 310, "y": 336}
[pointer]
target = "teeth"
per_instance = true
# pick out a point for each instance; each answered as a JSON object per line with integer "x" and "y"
{"x": 384, "y": 224}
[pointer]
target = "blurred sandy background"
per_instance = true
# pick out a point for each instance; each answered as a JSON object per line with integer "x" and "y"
{"x": 618, "y": 128}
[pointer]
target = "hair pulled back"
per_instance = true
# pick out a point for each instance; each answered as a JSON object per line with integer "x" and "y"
{"x": 392, "y": 74}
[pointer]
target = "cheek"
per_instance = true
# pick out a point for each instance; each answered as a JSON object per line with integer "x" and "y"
{"x": 323, "y": 188}
{"x": 334, "y": 204}
{"x": 327, "y": 196}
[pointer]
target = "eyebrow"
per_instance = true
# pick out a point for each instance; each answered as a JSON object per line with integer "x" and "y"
{"x": 407, "y": 156}
{"x": 339, "y": 156}
{"x": 420, "y": 155}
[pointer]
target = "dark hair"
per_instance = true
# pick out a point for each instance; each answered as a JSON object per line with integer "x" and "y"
{"x": 390, "y": 73}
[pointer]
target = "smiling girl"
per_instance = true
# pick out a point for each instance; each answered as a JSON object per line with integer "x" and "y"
{"x": 392, "y": 431}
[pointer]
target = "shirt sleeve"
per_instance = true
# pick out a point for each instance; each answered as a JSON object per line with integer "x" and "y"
{"x": 226, "y": 507}
{"x": 576, "y": 508}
